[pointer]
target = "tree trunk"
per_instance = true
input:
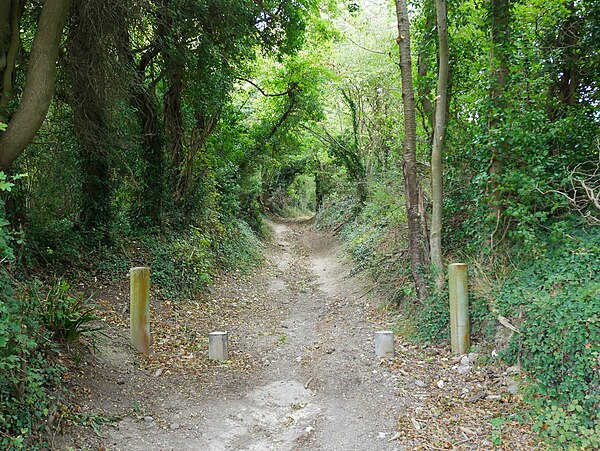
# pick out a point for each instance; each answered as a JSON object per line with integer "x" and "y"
{"x": 415, "y": 237}
{"x": 205, "y": 125}
{"x": 566, "y": 86}
{"x": 149, "y": 209}
{"x": 439, "y": 135}
{"x": 39, "y": 85}
{"x": 423, "y": 62}
{"x": 500, "y": 22}
{"x": 10, "y": 32}
{"x": 357, "y": 169}
{"x": 88, "y": 74}
{"x": 174, "y": 56}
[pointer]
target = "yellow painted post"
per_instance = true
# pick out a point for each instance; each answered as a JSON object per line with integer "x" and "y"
{"x": 459, "y": 308}
{"x": 140, "y": 309}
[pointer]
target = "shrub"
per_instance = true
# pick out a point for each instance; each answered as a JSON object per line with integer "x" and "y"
{"x": 557, "y": 297}
{"x": 28, "y": 369}
{"x": 66, "y": 317}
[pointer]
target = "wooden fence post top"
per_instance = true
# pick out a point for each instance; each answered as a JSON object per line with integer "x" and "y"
{"x": 139, "y": 269}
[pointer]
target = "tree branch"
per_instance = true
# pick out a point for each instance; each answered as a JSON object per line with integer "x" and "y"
{"x": 39, "y": 86}
{"x": 292, "y": 87}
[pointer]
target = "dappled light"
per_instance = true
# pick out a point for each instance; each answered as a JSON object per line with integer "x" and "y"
{"x": 299, "y": 224}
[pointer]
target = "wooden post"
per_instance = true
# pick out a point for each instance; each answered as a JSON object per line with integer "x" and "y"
{"x": 459, "y": 308}
{"x": 218, "y": 346}
{"x": 384, "y": 343}
{"x": 140, "y": 309}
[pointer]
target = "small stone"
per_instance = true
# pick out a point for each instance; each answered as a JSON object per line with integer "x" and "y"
{"x": 515, "y": 369}
{"x": 148, "y": 419}
{"x": 309, "y": 429}
{"x": 158, "y": 372}
{"x": 420, "y": 383}
{"x": 464, "y": 360}
{"x": 513, "y": 389}
{"x": 175, "y": 426}
{"x": 463, "y": 369}
{"x": 440, "y": 384}
{"x": 382, "y": 435}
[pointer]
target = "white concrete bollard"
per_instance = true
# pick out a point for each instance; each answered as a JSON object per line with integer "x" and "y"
{"x": 384, "y": 343}
{"x": 218, "y": 346}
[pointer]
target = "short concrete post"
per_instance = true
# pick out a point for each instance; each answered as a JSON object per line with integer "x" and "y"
{"x": 218, "y": 346}
{"x": 384, "y": 343}
{"x": 459, "y": 308}
{"x": 139, "y": 309}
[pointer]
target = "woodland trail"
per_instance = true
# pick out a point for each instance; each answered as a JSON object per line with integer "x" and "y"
{"x": 303, "y": 374}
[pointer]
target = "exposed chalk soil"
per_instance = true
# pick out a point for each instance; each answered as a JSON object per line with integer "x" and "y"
{"x": 302, "y": 373}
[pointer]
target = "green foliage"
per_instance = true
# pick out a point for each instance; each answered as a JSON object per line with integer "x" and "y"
{"x": 570, "y": 427}
{"x": 240, "y": 248}
{"x": 431, "y": 320}
{"x": 6, "y": 252}
{"x": 28, "y": 374}
{"x": 67, "y": 317}
{"x": 557, "y": 298}
{"x": 185, "y": 263}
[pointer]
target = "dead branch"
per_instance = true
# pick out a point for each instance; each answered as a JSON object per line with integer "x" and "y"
{"x": 584, "y": 195}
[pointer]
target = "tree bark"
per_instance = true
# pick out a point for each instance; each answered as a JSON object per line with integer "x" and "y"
{"x": 143, "y": 98}
{"x": 205, "y": 125}
{"x": 439, "y": 135}
{"x": 415, "y": 236}
{"x": 423, "y": 62}
{"x": 39, "y": 85}
{"x": 500, "y": 21}
{"x": 88, "y": 72}
{"x": 10, "y": 24}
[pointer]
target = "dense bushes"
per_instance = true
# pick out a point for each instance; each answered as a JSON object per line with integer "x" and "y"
{"x": 555, "y": 301}
{"x": 552, "y": 297}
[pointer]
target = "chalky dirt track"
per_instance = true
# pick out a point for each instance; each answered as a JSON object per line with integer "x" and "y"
{"x": 302, "y": 374}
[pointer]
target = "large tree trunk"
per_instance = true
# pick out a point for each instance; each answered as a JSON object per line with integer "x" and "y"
{"x": 39, "y": 85}
{"x": 205, "y": 125}
{"x": 174, "y": 126}
{"x": 10, "y": 43}
{"x": 415, "y": 237}
{"x": 423, "y": 64}
{"x": 500, "y": 21}
{"x": 439, "y": 135}
{"x": 148, "y": 211}
{"x": 88, "y": 73}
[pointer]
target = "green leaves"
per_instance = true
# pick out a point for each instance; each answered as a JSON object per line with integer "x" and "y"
{"x": 5, "y": 184}
{"x": 68, "y": 318}
{"x": 558, "y": 299}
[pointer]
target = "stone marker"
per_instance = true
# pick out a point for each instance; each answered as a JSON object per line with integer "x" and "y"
{"x": 459, "y": 308}
{"x": 140, "y": 309}
{"x": 218, "y": 346}
{"x": 384, "y": 343}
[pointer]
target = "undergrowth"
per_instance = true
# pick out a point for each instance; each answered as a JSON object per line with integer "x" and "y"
{"x": 37, "y": 330}
{"x": 552, "y": 297}
{"x": 42, "y": 325}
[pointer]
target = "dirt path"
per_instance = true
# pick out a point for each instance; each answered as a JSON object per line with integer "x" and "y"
{"x": 303, "y": 375}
